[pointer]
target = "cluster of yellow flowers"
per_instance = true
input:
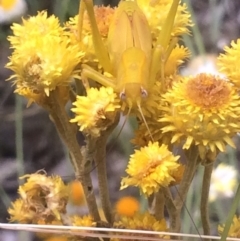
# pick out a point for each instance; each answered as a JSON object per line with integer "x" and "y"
{"x": 199, "y": 113}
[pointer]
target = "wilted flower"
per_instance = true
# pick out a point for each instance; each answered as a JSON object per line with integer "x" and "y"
{"x": 42, "y": 198}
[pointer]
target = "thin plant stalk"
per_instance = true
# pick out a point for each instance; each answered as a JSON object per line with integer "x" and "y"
{"x": 159, "y": 204}
{"x": 190, "y": 169}
{"x": 68, "y": 133}
{"x": 100, "y": 162}
{"x": 204, "y": 198}
{"x": 19, "y": 135}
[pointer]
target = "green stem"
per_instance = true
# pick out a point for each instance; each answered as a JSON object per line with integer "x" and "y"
{"x": 19, "y": 135}
{"x": 88, "y": 152}
{"x": 100, "y": 160}
{"x": 231, "y": 215}
{"x": 204, "y": 199}
{"x": 66, "y": 130}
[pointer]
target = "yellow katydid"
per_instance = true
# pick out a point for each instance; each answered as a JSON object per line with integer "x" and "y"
{"x": 129, "y": 55}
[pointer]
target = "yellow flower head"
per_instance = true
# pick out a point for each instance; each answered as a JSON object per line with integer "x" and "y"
{"x": 21, "y": 212}
{"x": 44, "y": 197}
{"x": 156, "y": 12}
{"x": 177, "y": 57}
{"x": 103, "y": 16}
{"x": 127, "y": 206}
{"x": 228, "y": 63}
{"x": 96, "y": 111}
{"x": 202, "y": 110}
{"x": 85, "y": 221}
{"x": 76, "y": 196}
{"x": 42, "y": 58}
{"x": 150, "y": 168}
{"x": 177, "y": 175}
{"x": 234, "y": 231}
{"x": 144, "y": 221}
{"x": 57, "y": 238}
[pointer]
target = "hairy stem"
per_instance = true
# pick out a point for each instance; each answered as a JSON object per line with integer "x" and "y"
{"x": 66, "y": 130}
{"x": 204, "y": 198}
{"x": 100, "y": 160}
{"x": 88, "y": 153}
{"x": 68, "y": 133}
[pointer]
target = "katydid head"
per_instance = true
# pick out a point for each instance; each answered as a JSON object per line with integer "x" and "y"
{"x": 134, "y": 94}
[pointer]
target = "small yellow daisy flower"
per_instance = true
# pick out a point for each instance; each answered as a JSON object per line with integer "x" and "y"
{"x": 144, "y": 221}
{"x": 96, "y": 111}
{"x": 150, "y": 168}
{"x": 42, "y": 58}
{"x": 203, "y": 110}
{"x": 234, "y": 231}
{"x": 228, "y": 62}
{"x": 127, "y": 206}
{"x": 11, "y": 9}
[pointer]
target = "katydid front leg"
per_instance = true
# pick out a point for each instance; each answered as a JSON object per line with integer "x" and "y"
{"x": 90, "y": 73}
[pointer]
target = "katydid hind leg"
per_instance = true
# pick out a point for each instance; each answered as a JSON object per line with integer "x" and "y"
{"x": 100, "y": 49}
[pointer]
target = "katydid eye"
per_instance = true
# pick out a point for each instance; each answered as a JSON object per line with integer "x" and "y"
{"x": 144, "y": 93}
{"x": 122, "y": 95}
